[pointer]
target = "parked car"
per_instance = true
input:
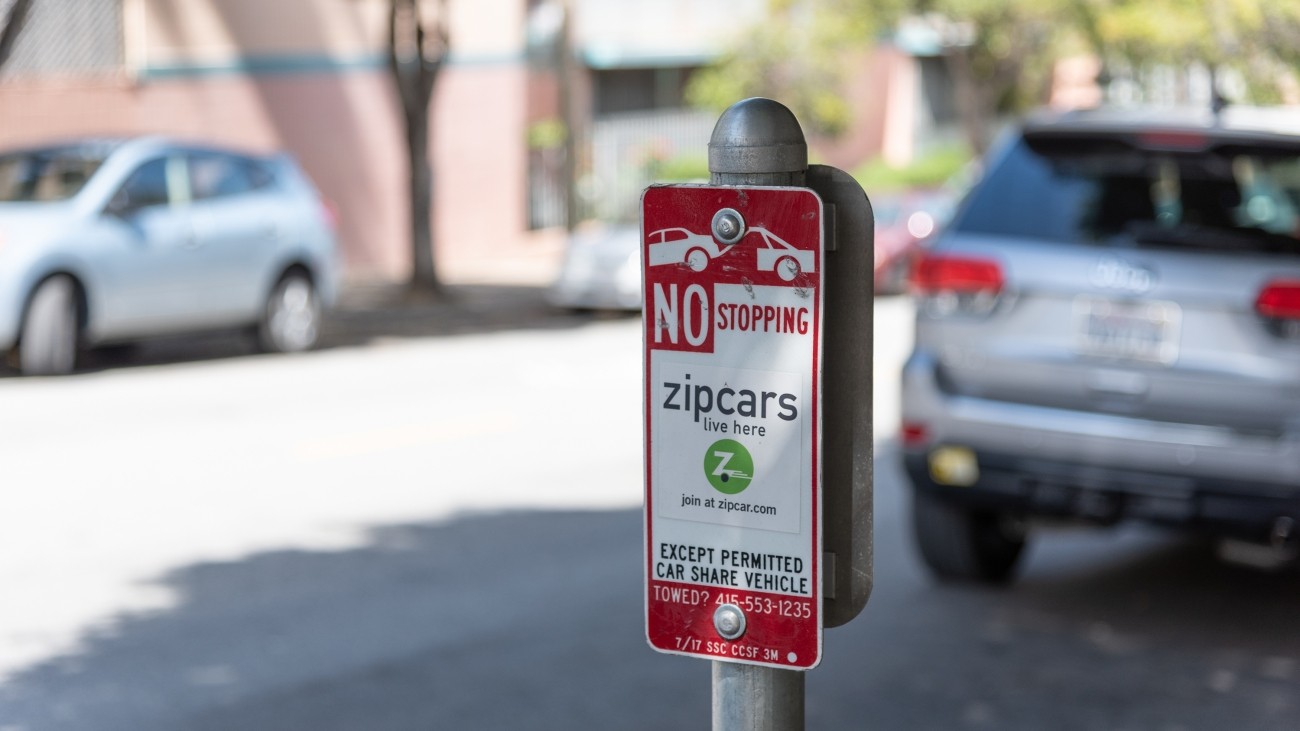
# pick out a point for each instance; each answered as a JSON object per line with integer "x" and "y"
{"x": 1109, "y": 329}
{"x": 601, "y": 269}
{"x": 104, "y": 241}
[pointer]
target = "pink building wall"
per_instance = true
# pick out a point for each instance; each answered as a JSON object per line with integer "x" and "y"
{"x": 333, "y": 108}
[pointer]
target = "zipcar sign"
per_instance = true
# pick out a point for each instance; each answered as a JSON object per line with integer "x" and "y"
{"x": 732, "y": 318}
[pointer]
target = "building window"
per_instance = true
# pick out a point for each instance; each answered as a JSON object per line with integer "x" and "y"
{"x": 67, "y": 38}
{"x": 640, "y": 90}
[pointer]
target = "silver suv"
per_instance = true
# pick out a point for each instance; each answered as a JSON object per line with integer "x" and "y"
{"x": 1110, "y": 329}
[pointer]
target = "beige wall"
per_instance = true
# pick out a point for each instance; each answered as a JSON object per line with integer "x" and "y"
{"x": 307, "y": 76}
{"x": 169, "y": 31}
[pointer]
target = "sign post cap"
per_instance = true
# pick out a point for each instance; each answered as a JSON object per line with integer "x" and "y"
{"x": 756, "y": 136}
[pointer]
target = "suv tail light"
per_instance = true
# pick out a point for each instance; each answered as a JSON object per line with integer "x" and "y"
{"x": 1279, "y": 304}
{"x": 914, "y": 434}
{"x": 938, "y": 274}
{"x": 1280, "y": 299}
{"x": 957, "y": 284}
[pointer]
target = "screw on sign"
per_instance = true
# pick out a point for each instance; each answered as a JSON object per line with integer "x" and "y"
{"x": 733, "y": 302}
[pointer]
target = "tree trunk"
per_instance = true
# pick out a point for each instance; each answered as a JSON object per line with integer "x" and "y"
{"x": 424, "y": 270}
{"x": 970, "y": 99}
{"x": 564, "y": 80}
{"x": 415, "y": 59}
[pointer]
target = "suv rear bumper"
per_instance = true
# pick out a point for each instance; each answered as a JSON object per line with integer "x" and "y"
{"x": 1030, "y": 487}
{"x": 1042, "y": 461}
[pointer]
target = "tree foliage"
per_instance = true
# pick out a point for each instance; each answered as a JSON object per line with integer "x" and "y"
{"x": 1255, "y": 41}
{"x": 797, "y": 55}
{"x": 1001, "y": 53}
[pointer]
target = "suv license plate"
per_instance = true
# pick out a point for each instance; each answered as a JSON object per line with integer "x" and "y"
{"x": 1146, "y": 331}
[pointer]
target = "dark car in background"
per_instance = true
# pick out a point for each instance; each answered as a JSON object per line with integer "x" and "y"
{"x": 1109, "y": 329}
{"x": 105, "y": 241}
{"x": 904, "y": 224}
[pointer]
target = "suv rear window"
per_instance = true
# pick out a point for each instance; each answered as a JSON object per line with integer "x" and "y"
{"x": 1105, "y": 191}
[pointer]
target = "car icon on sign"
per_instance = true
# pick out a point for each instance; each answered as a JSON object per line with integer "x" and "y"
{"x": 775, "y": 255}
{"x": 680, "y": 246}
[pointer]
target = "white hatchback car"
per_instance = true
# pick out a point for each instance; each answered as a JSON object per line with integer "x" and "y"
{"x": 106, "y": 241}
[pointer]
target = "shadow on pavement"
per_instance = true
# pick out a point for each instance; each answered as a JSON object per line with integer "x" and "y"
{"x": 366, "y": 314}
{"x": 534, "y": 620}
{"x": 507, "y": 621}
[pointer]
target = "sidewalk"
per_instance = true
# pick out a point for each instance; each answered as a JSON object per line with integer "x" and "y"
{"x": 533, "y": 262}
{"x": 506, "y": 291}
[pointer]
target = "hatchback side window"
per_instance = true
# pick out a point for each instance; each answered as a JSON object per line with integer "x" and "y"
{"x": 147, "y": 186}
{"x": 217, "y": 176}
{"x": 260, "y": 172}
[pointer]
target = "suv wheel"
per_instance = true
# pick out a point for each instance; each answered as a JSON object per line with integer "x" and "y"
{"x": 962, "y": 544}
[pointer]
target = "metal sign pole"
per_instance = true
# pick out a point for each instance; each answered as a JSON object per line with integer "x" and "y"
{"x": 757, "y": 142}
{"x": 751, "y": 588}
{"x": 756, "y": 698}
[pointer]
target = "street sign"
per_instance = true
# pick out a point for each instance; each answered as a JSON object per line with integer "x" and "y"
{"x": 733, "y": 290}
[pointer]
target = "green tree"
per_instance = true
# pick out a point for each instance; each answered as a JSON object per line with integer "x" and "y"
{"x": 797, "y": 54}
{"x": 1257, "y": 41}
{"x": 999, "y": 53}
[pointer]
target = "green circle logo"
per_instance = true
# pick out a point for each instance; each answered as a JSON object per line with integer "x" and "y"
{"x": 728, "y": 466}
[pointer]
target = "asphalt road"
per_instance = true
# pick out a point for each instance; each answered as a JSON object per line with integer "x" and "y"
{"x": 436, "y": 525}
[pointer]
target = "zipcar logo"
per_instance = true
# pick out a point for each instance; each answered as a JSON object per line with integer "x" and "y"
{"x": 728, "y": 466}
{"x": 1115, "y": 273}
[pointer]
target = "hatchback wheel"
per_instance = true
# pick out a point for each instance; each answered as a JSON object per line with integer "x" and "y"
{"x": 48, "y": 342}
{"x": 292, "y": 317}
{"x": 962, "y": 544}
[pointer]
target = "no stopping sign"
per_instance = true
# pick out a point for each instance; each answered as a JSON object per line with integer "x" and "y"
{"x": 733, "y": 293}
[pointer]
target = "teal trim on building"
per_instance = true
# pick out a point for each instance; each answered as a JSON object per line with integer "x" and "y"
{"x": 608, "y": 57}
{"x": 285, "y": 65}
